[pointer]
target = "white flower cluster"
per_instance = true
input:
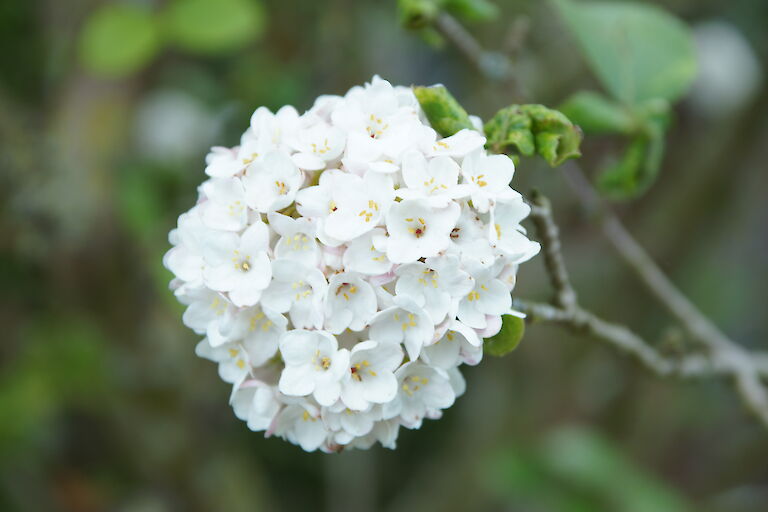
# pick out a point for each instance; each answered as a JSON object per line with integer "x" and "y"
{"x": 343, "y": 263}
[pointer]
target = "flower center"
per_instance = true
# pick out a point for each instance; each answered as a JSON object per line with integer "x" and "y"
{"x": 321, "y": 150}
{"x": 418, "y": 228}
{"x": 478, "y": 180}
{"x": 410, "y": 386}
{"x": 357, "y": 370}
{"x": 345, "y": 290}
{"x": 235, "y": 208}
{"x": 281, "y": 188}
{"x": 243, "y": 264}
{"x": 368, "y": 213}
{"x": 321, "y": 363}
{"x": 376, "y": 127}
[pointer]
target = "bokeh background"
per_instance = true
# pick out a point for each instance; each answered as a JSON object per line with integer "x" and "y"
{"x": 103, "y": 404}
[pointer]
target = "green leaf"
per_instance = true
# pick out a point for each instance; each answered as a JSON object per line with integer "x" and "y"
{"x": 442, "y": 110}
{"x": 595, "y": 113}
{"x": 585, "y": 460}
{"x": 639, "y": 167}
{"x": 533, "y": 129}
{"x": 638, "y": 51}
{"x": 471, "y": 10}
{"x": 418, "y": 14}
{"x": 118, "y": 39}
{"x": 213, "y": 26}
{"x": 507, "y": 339}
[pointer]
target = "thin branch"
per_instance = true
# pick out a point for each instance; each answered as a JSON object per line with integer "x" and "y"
{"x": 495, "y": 66}
{"x": 541, "y": 215}
{"x": 723, "y": 357}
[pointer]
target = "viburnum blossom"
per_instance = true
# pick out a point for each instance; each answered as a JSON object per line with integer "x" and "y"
{"x": 342, "y": 264}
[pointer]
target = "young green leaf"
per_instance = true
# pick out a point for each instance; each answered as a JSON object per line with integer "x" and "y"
{"x": 418, "y": 14}
{"x": 212, "y": 26}
{"x": 442, "y": 110}
{"x": 595, "y": 113}
{"x": 118, "y": 39}
{"x": 507, "y": 339}
{"x": 471, "y": 10}
{"x": 531, "y": 129}
{"x": 638, "y": 51}
{"x": 637, "y": 169}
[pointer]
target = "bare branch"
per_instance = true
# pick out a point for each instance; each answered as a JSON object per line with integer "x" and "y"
{"x": 541, "y": 215}
{"x": 495, "y": 66}
{"x": 722, "y": 355}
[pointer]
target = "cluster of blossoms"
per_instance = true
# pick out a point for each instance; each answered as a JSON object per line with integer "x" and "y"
{"x": 342, "y": 264}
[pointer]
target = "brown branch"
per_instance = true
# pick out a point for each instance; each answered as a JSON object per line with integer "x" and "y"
{"x": 723, "y": 357}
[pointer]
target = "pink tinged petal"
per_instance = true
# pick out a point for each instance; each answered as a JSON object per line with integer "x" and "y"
{"x": 493, "y": 326}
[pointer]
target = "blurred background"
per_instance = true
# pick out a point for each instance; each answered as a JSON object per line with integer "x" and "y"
{"x": 107, "y": 110}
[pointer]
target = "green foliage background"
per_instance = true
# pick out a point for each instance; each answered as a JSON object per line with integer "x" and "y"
{"x": 106, "y": 112}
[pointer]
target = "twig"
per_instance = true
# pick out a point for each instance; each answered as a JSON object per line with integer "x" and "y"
{"x": 723, "y": 356}
{"x": 495, "y": 66}
{"x": 541, "y": 215}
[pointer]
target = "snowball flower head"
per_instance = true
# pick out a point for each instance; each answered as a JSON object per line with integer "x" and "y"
{"x": 344, "y": 263}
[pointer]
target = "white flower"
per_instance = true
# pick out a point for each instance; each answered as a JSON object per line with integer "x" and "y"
{"x": 301, "y": 424}
{"x": 317, "y": 145}
{"x": 225, "y": 207}
{"x": 297, "y": 239}
{"x": 298, "y": 290}
{"x": 239, "y": 264}
{"x": 222, "y": 163}
{"x": 417, "y": 230}
{"x": 272, "y": 182}
{"x": 423, "y": 389}
{"x": 358, "y": 205}
{"x": 233, "y": 360}
{"x": 207, "y": 311}
{"x": 404, "y": 323}
{"x": 433, "y": 285}
{"x": 436, "y": 180}
{"x": 328, "y": 246}
{"x": 272, "y": 131}
{"x": 259, "y": 330}
{"x": 257, "y": 405}
{"x": 507, "y": 234}
{"x": 350, "y": 303}
{"x": 459, "y": 344}
{"x": 372, "y": 379}
{"x": 489, "y": 297}
{"x": 488, "y": 178}
{"x": 366, "y": 254}
{"x": 457, "y": 145}
{"x": 348, "y": 424}
{"x": 313, "y": 365}
{"x": 469, "y": 238}
{"x": 185, "y": 259}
